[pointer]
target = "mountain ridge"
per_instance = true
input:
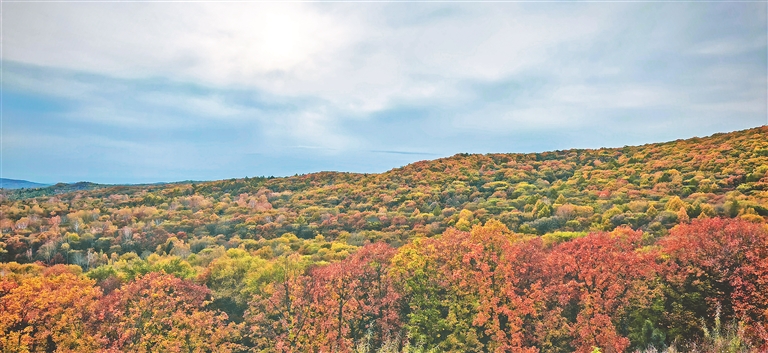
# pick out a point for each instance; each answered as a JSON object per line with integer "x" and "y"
{"x": 8, "y": 184}
{"x": 614, "y": 216}
{"x": 60, "y": 188}
{"x": 521, "y": 188}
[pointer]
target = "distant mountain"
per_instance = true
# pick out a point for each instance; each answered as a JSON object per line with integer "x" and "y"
{"x": 50, "y": 190}
{"x": 19, "y": 184}
{"x": 39, "y": 190}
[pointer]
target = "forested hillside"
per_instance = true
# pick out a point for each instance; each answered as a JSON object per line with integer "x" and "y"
{"x": 618, "y": 249}
{"x": 18, "y": 184}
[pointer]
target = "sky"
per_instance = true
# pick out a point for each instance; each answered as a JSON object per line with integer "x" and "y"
{"x": 139, "y": 92}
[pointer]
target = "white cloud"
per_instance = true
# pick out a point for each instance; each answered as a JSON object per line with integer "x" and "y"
{"x": 349, "y": 55}
{"x": 322, "y": 78}
{"x": 625, "y": 96}
{"x": 500, "y": 120}
{"x": 215, "y": 43}
{"x": 729, "y": 46}
{"x": 209, "y": 106}
{"x": 310, "y": 129}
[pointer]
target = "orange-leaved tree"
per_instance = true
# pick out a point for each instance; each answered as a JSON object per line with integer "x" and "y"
{"x": 48, "y": 312}
{"x": 471, "y": 291}
{"x": 162, "y": 313}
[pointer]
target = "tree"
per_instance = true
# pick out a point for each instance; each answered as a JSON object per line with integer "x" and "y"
{"x": 48, "y": 313}
{"x": 160, "y": 312}
{"x": 356, "y": 300}
{"x": 717, "y": 262}
{"x": 592, "y": 286}
{"x": 235, "y": 278}
{"x": 279, "y": 317}
{"x": 328, "y": 308}
{"x": 470, "y": 292}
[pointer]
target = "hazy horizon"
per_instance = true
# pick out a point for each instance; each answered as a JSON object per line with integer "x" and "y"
{"x": 136, "y": 92}
{"x": 339, "y": 171}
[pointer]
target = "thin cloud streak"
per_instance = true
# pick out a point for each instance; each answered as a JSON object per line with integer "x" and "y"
{"x": 406, "y": 153}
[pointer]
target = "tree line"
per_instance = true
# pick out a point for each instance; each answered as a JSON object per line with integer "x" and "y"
{"x": 483, "y": 290}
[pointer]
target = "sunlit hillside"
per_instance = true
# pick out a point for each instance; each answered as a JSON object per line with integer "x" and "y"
{"x": 650, "y": 187}
{"x": 617, "y": 248}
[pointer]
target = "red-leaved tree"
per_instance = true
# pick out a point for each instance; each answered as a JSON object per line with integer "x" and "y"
{"x": 355, "y": 300}
{"x": 592, "y": 285}
{"x": 162, "y": 313}
{"x": 329, "y": 308}
{"x": 713, "y": 262}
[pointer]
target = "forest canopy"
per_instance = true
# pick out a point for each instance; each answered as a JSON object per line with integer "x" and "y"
{"x": 619, "y": 249}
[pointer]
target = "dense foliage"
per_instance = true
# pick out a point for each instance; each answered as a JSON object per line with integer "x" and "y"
{"x": 621, "y": 249}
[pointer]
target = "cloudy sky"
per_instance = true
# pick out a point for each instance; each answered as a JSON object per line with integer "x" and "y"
{"x": 131, "y": 92}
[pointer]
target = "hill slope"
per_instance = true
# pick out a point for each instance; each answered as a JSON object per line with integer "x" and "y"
{"x": 498, "y": 252}
{"x": 648, "y": 187}
{"x": 19, "y": 184}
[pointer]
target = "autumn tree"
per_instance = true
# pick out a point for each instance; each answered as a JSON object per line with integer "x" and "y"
{"x": 279, "y": 318}
{"x": 328, "y": 308}
{"x": 160, "y": 312}
{"x": 356, "y": 300}
{"x": 717, "y": 262}
{"x": 470, "y": 291}
{"x": 48, "y": 312}
{"x": 593, "y": 284}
